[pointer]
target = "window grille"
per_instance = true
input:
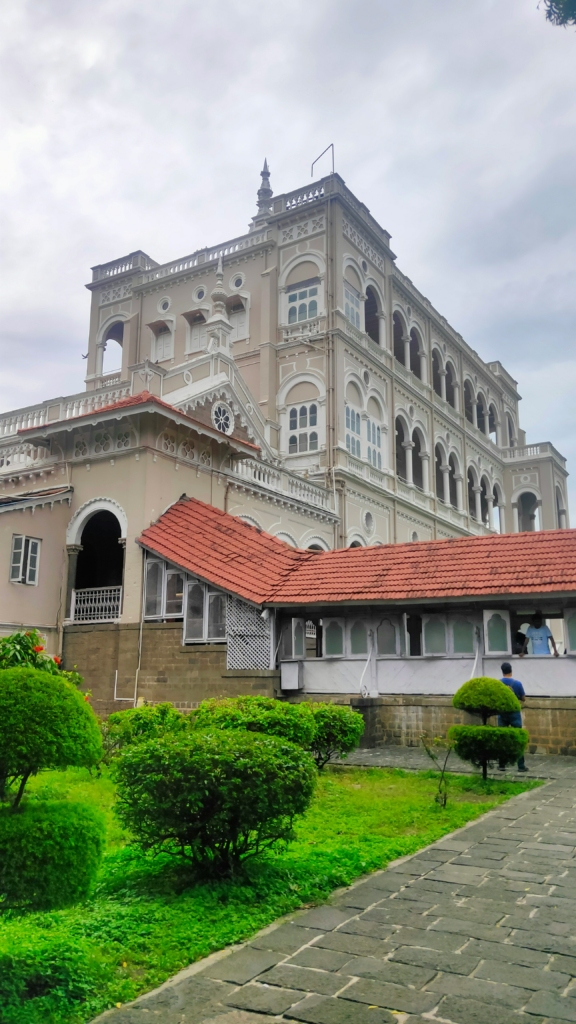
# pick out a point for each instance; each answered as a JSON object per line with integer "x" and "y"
{"x": 249, "y": 636}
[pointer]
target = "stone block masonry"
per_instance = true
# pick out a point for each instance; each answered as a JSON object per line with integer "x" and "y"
{"x": 107, "y": 655}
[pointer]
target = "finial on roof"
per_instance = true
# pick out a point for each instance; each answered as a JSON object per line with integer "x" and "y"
{"x": 219, "y": 293}
{"x": 265, "y": 193}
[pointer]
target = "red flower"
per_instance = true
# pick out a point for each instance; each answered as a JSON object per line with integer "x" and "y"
{"x": 37, "y": 649}
{"x": 87, "y": 697}
{"x": 57, "y": 660}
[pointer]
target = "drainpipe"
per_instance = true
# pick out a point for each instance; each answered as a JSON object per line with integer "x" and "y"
{"x": 140, "y": 631}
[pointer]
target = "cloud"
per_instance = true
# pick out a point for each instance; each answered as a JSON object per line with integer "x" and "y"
{"x": 130, "y": 124}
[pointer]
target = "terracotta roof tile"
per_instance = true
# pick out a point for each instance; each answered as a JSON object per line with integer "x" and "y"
{"x": 236, "y": 557}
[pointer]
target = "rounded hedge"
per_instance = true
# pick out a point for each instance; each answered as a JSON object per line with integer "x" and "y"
{"x": 292, "y": 722}
{"x": 485, "y": 697}
{"x": 49, "y": 854}
{"x": 213, "y": 797}
{"x": 481, "y": 744}
{"x": 44, "y": 723}
{"x": 136, "y": 724}
{"x": 337, "y": 731}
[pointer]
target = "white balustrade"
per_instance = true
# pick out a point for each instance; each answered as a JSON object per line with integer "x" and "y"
{"x": 96, "y": 604}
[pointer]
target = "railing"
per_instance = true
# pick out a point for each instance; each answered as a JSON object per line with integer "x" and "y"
{"x": 16, "y": 457}
{"x": 302, "y": 197}
{"x": 530, "y": 451}
{"x": 134, "y": 261}
{"x": 306, "y": 329}
{"x": 283, "y": 482}
{"x": 202, "y": 256}
{"x": 66, "y": 408}
{"x": 22, "y": 420}
{"x": 91, "y": 401}
{"x": 96, "y": 604}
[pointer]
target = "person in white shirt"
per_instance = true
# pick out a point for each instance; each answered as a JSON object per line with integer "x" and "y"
{"x": 541, "y": 636}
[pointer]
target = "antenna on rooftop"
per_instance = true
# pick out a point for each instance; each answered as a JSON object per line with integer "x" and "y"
{"x": 331, "y": 146}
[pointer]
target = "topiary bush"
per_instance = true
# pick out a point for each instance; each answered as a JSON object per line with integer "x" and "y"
{"x": 44, "y": 723}
{"x": 148, "y": 722}
{"x": 481, "y": 744}
{"x": 47, "y": 976}
{"x": 292, "y": 722}
{"x": 485, "y": 697}
{"x": 213, "y": 798}
{"x": 338, "y": 731}
{"x": 49, "y": 854}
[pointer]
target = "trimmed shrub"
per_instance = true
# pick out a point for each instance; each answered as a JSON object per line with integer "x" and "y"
{"x": 213, "y": 797}
{"x": 485, "y": 697}
{"x": 44, "y": 723}
{"x": 47, "y": 976}
{"x": 338, "y": 731}
{"x": 148, "y": 722}
{"x": 49, "y": 854}
{"x": 481, "y": 744}
{"x": 292, "y": 722}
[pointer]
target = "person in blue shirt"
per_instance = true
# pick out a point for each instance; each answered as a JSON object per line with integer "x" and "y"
{"x": 541, "y": 636}
{"x": 512, "y": 718}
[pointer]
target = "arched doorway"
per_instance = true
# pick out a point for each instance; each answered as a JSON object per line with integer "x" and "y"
{"x": 528, "y": 513}
{"x": 112, "y": 348}
{"x": 371, "y": 323}
{"x": 99, "y": 570}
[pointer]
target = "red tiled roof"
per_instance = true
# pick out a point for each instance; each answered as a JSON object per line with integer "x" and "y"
{"x": 144, "y": 398}
{"x": 234, "y": 556}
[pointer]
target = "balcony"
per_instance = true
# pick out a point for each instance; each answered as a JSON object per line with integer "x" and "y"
{"x": 96, "y": 604}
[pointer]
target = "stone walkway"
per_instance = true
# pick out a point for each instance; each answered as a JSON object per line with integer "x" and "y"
{"x": 541, "y": 766}
{"x": 479, "y": 928}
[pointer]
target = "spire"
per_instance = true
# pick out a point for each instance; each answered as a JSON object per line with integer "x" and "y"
{"x": 265, "y": 193}
{"x": 219, "y": 293}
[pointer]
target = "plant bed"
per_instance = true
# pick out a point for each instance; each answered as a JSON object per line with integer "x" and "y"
{"x": 149, "y": 917}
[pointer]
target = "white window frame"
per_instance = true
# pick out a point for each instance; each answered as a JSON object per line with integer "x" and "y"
{"x": 435, "y": 654}
{"x": 325, "y": 625}
{"x": 311, "y": 432}
{"x": 21, "y": 572}
{"x": 209, "y": 591}
{"x": 568, "y": 613}
{"x": 474, "y": 622}
{"x": 353, "y": 306}
{"x": 487, "y": 615}
{"x": 312, "y": 283}
{"x": 167, "y": 570}
{"x": 398, "y": 624}
{"x": 168, "y": 335}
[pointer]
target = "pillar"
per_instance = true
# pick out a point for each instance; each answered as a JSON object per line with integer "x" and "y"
{"x": 446, "y": 483}
{"x": 73, "y": 552}
{"x": 382, "y": 330}
{"x": 425, "y": 457}
{"x": 457, "y": 404}
{"x": 408, "y": 446}
{"x": 459, "y": 492}
{"x": 474, "y": 414}
{"x": 502, "y": 515}
{"x": 490, "y": 502}
{"x": 515, "y": 519}
{"x": 406, "y": 341}
{"x": 562, "y": 517}
{"x": 423, "y": 367}
{"x": 477, "y": 504}
{"x": 443, "y": 385}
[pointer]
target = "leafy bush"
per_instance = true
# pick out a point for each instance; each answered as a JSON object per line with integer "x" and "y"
{"x": 292, "y": 722}
{"x": 213, "y": 797}
{"x": 481, "y": 744}
{"x": 148, "y": 722}
{"x": 338, "y": 731}
{"x": 45, "y": 976}
{"x": 485, "y": 697}
{"x": 44, "y": 723}
{"x": 49, "y": 854}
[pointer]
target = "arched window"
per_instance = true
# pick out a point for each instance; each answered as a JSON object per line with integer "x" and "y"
{"x": 471, "y": 495}
{"x": 371, "y": 323}
{"x": 293, "y": 419}
{"x": 417, "y": 471}
{"x": 493, "y": 423}
{"x": 313, "y": 441}
{"x": 469, "y": 401}
{"x": 303, "y": 301}
{"x": 353, "y": 421}
{"x": 358, "y": 638}
{"x": 398, "y": 337}
{"x": 301, "y": 418}
{"x": 400, "y": 450}
{"x": 352, "y": 304}
{"x": 313, "y": 415}
{"x": 101, "y": 559}
{"x": 510, "y": 431}
{"x": 292, "y": 444}
{"x": 450, "y": 389}
{"x": 112, "y": 342}
{"x": 528, "y": 512}
{"x": 436, "y": 368}
{"x": 415, "y": 347}
{"x": 439, "y": 477}
{"x": 485, "y": 490}
{"x": 481, "y": 414}
{"x": 453, "y": 489}
{"x": 386, "y": 637}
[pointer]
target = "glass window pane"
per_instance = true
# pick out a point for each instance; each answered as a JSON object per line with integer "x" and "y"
{"x": 216, "y": 616}
{"x": 334, "y": 638}
{"x": 368, "y": 432}
{"x": 303, "y": 442}
{"x": 348, "y": 441}
{"x": 347, "y": 309}
{"x": 379, "y": 461}
{"x": 303, "y": 295}
{"x": 571, "y": 622}
{"x": 154, "y": 573}
{"x": 174, "y": 593}
{"x": 313, "y": 415}
{"x": 293, "y": 445}
{"x": 497, "y": 634}
{"x": 357, "y": 422}
{"x": 293, "y": 419}
{"x": 463, "y": 635}
{"x": 292, "y": 315}
{"x": 33, "y": 551}
{"x": 303, "y": 417}
{"x": 312, "y": 309}
{"x": 195, "y": 612}
{"x": 386, "y": 637}
{"x": 435, "y": 637}
{"x": 298, "y": 639}
{"x": 313, "y": 441}
{"x": 379, "y": 437}
{"x": 312, "y": 291}
{"x": 17, "y": 552}
{"x": 292, "y": 298}
{"x": 347, "y": 418}
{"x": 369, "y": 455}
{"x": 302, "y": 311}
{"x": 358, "y": 639}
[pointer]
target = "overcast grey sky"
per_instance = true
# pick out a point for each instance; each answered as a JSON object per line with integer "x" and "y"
{"x": 131, "y": 124}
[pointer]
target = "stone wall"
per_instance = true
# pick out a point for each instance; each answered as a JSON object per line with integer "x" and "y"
{"x": 108, "y": 656}
{"x": 400, "y": 720}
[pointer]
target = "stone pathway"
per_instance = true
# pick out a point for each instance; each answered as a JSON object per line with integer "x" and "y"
{"x": 541, "y": 766}
{"x": 479, "y": 928}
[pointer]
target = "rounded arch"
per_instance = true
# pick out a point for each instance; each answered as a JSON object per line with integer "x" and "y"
{"x": 304, "y": 377}
{"x": 437, "y": 370}
{"x": 314, "y": 258}
{"x": 417, "y": 351}
{"x": 469, "y": 400}
{"x": 482, "y": 411}
{"x": 372, "y": 309}
{"x": 498, "y": 505}
{"x": 355, "y": 392}
{"x": 529, "y": 503}
{"x": 287, "y": 538}
{"x": 88, "y": 510}
{"x": 250, "y": 521}
{"x": 451, "y": 381}
{"x": 399, "y": 332}
{"x": 493, "y": 423}
{"x": 315, "y": 543}
{"x": 511, "y": 435}
{"x": 454, "y": 476}
{"x": 305, "y": 391}
{"x": 402, "y": 437}
{"x": 375, "y": 406}
{"x": 112, "y": 330}
{"x": 355, "y": 541}
{"x": 486, "y": 491}
{"x": 418, "y": 452}
{"x": 440, "y": 457}
{"x": 560, "y": 507}
{"x": 352, "y": 272}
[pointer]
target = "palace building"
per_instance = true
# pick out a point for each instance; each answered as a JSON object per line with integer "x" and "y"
{"x": 293, "y": 378}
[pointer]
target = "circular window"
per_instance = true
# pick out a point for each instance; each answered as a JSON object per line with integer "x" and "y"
{"x": 364, "y": 266}
{"x": 366, "y": 377}
{"x": 368, "y": 522}
{"x": 223, "y": 417}
{"x": 199, "y": 294}
{"x": 238, "y": 282}
{"x": 164, "y": 304}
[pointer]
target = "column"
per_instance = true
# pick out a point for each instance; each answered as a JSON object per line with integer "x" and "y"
{"x": 457, "y": 405}
{"x": 537, "y": 517}
{"x": 443, "y": 385}
{"x": 474, "y": 414}
{"x": 515, "y": 519}
{"x": 502, "y": 515}
{"x": 425, "y": 457}
{"x": 562, "y": 517}
{"x": 490, "y": 501}
{"x": 73, "y": 552}
{"x": 408, "y": 446}
{"x": 477, "y": 504}
{"x": 459, "y": 492}
{"x": 445, "y": 469}
{"x": 382, "y": 330}
{"x": 423, "y": 367}
{"x": 406, "y": 341}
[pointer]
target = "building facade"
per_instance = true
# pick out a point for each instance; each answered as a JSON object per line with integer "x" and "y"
{"x": 292, "y": 376}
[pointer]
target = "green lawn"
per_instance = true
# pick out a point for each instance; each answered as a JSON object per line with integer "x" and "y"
{"x": 148, "y": 918}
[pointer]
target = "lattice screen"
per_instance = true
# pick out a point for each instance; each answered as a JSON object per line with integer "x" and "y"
{"x": 248, "y": 636}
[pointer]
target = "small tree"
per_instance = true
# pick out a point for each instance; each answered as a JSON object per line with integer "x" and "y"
{"x": 338, "y": 731}
{"x": 214, "y": 798}
{"x": 292, "y": 722}
{"x": 561, "y": 12}
{"x": 134, "y": 725}
{"x": 482, "y": 744}
{"x": 44, "y": 723}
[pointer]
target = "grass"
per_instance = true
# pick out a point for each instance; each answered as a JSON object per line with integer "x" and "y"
{"x": 149, "y": 918}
